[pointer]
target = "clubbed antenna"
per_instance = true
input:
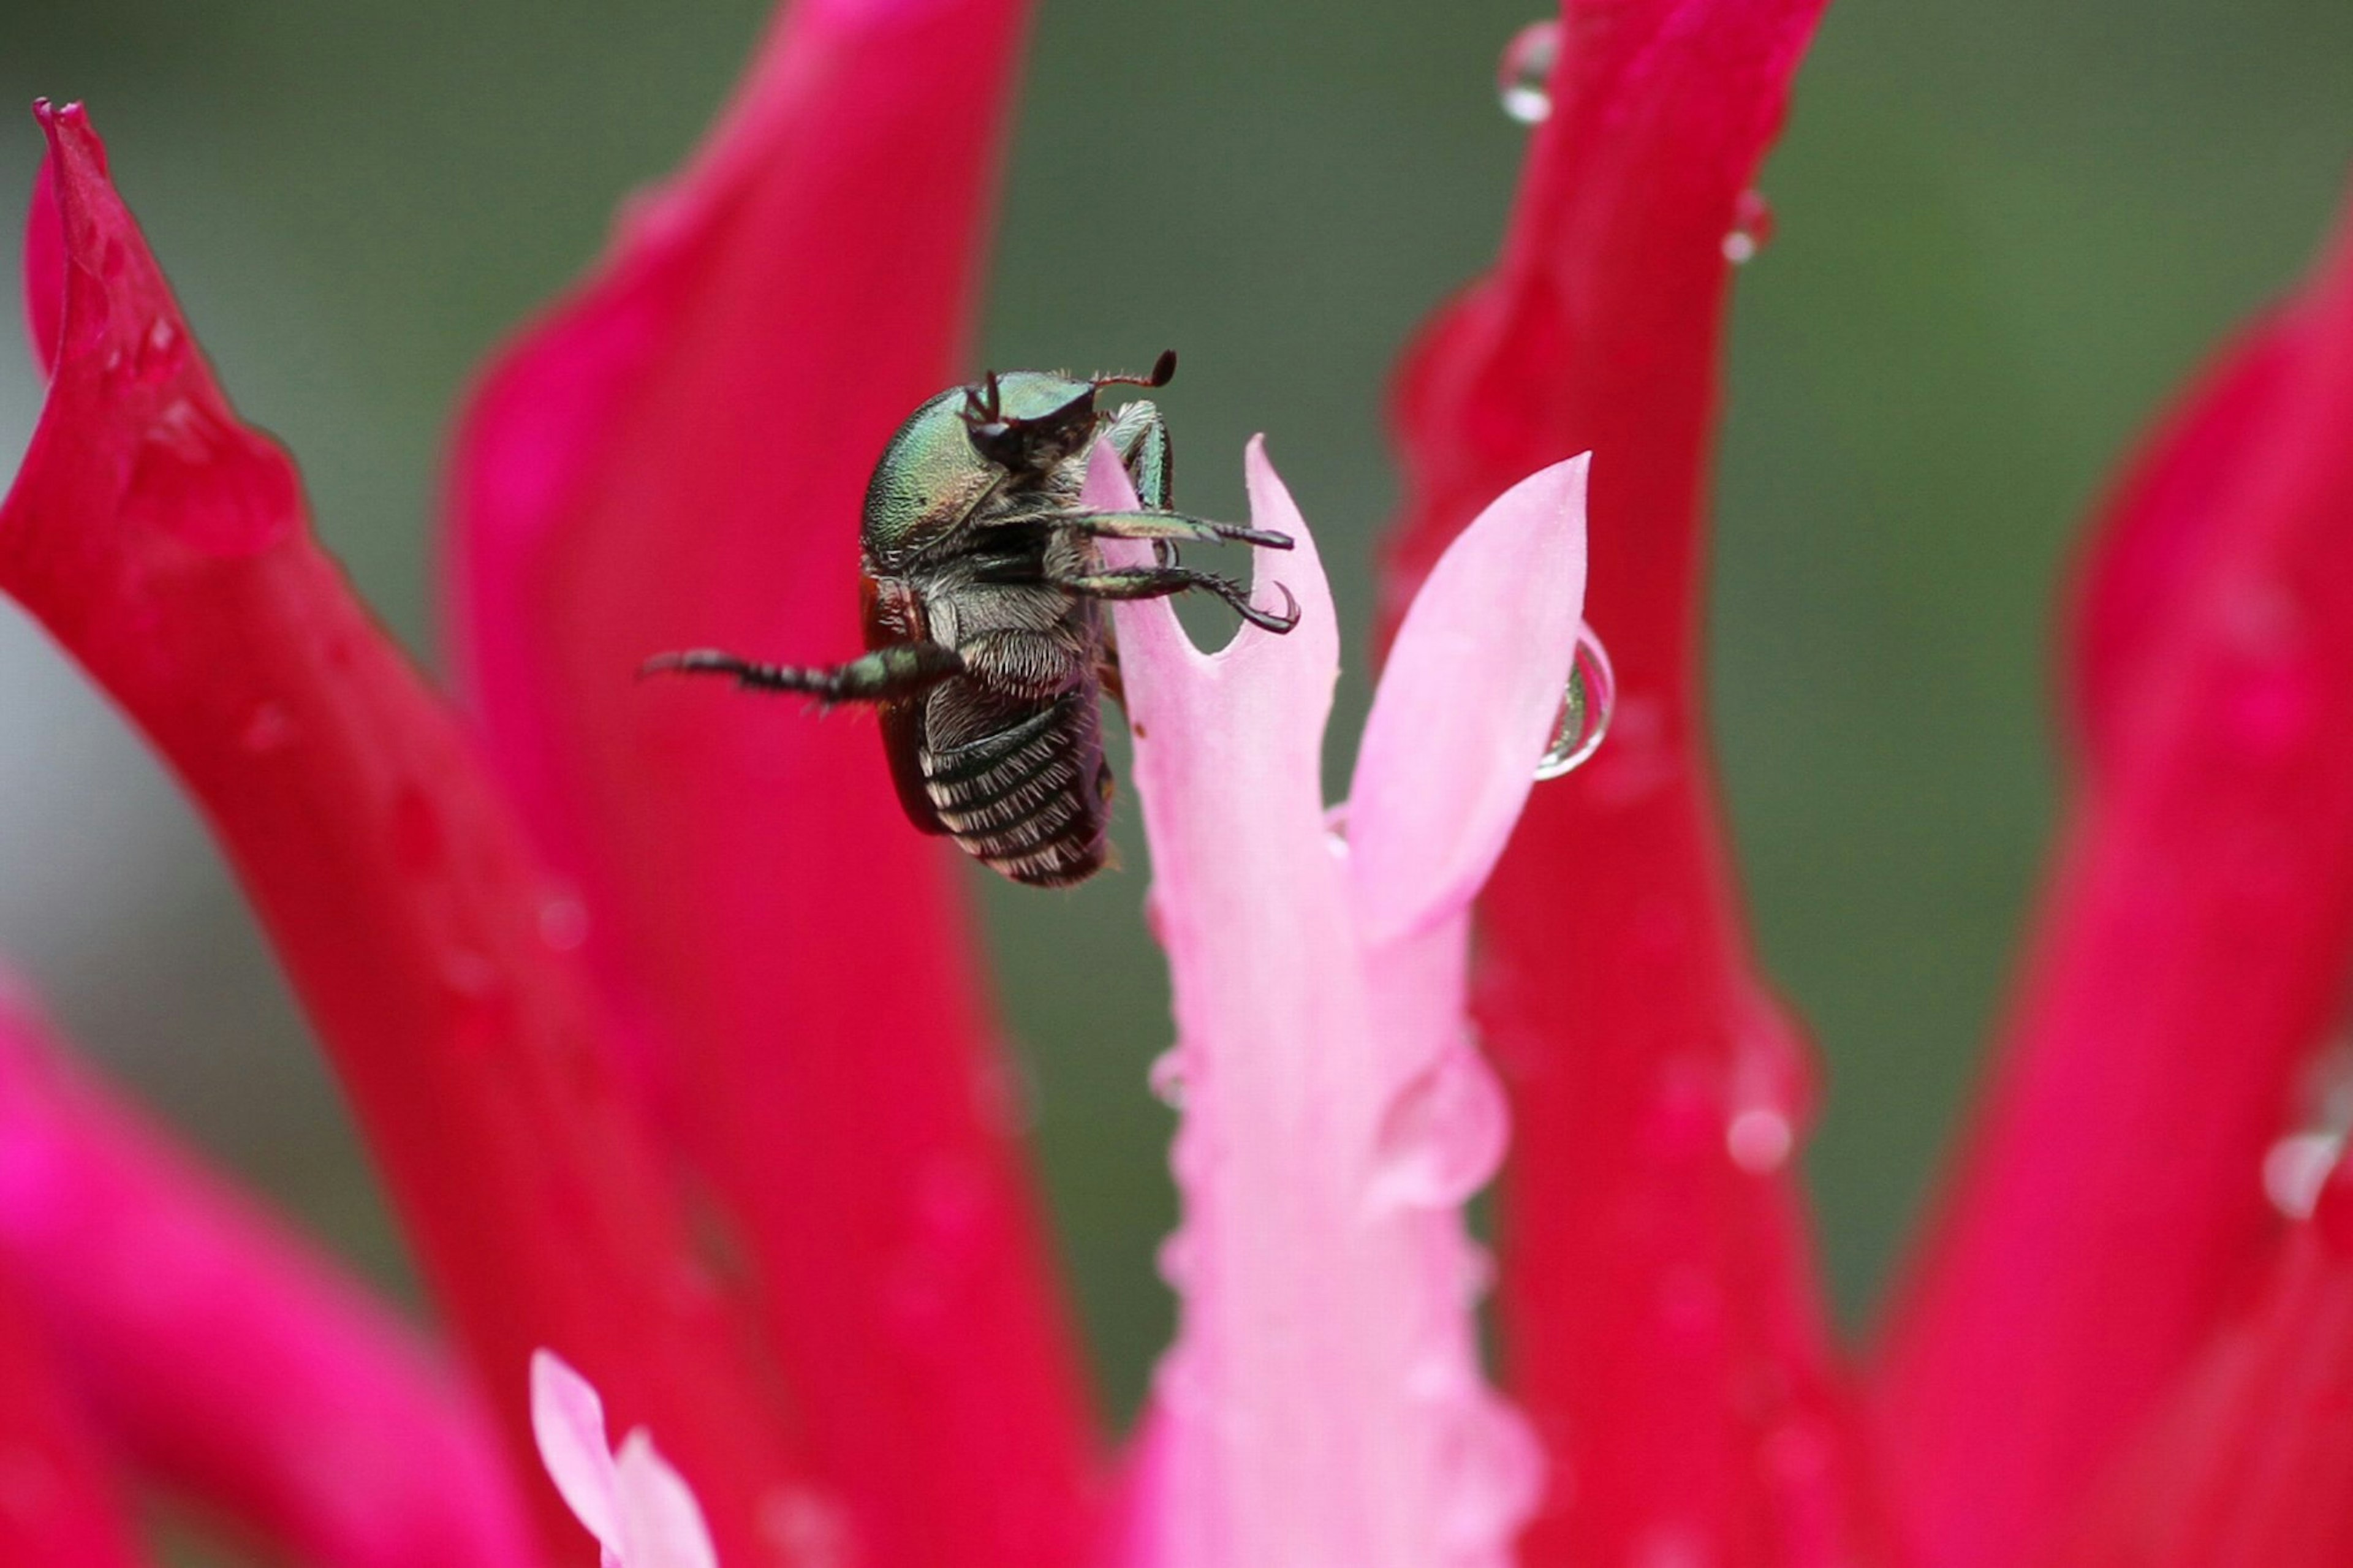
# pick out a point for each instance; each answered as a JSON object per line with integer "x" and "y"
{"x": 1164, "y": 370}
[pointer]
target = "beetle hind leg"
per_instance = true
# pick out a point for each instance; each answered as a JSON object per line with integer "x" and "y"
{"x": 890, "y": 674}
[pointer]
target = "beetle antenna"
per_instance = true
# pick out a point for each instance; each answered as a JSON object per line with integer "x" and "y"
{"x": 983, "y": 403}
{"x": 1164, "y": 371}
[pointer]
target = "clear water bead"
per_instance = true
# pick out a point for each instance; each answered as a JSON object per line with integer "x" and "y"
{"x": 1585, "y": 710}
{"x": 1752, "y": 227}
{"x": 1167, "y": 1078}
{"x": 1524, "y": 73}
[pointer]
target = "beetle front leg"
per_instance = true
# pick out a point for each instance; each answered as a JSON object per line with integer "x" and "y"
{"x": 1160, "y": 582}
{"x": 890, "y": 674}
{"x": 1168, "y": 525}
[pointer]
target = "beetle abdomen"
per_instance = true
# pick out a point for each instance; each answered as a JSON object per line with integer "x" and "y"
{"x": 1031, "y": 799}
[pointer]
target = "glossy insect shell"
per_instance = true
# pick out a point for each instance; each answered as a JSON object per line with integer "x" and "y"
{"x": 930, "y": 476}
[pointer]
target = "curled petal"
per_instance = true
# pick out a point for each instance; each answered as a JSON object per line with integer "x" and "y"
{"x": 162, "y": 542}
{"x": 1472, "y": 688}
{"x": 223, "y": 1356}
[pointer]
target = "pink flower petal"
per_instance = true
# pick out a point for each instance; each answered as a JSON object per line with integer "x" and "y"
{"x": 568, "y": 1421}
{"x": 60, "y": 1509}
{"x": 1468, "y": 703}
{"x": 675, "y": 457}
{"x": 162, "y": 542}
{"x": 659, "y": 1519}
{"x": 225, "y": 1357}
{"x": 1322, "y": 1403}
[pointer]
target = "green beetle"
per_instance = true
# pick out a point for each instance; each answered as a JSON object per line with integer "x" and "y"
{"x": 987, "y": 651}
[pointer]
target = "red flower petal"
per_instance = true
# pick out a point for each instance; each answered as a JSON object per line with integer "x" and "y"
{"x": 2147, "y": 553}
{"x": 59, "y": 1508}
{"x": 1663, "y": 1324}
{"x": 2196, "y": 939}
{"x": 2250, "y": 1463}
{"x": 225, "y": 1355}
{"x": 163, "y": 543}
{"x": 676, "y": 459}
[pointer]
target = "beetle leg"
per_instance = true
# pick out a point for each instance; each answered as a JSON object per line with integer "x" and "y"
{"x": 1159, "y": 582}
{"x": 1168, "y": 525}
{"x": 1139, "y": 433}
{"x": 890, "y": 674}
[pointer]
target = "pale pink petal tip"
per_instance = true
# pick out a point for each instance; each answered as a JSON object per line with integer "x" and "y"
{"x": 568, "y": 1420}
{"x": 659, "y": 1519}
{"x": 1467, "y": 706}
{"x": 639, "y": 1507}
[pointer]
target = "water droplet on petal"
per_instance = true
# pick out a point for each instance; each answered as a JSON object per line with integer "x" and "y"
{"x": 161, "y": 352}
{"x": 1752, "y": 228}
{"x": 1443, "y": 1135}
{"x": 1166, "y": 1077}
{"x": 1759, "y": 1139}
{"x": 1524, "y": 73}
{"x": 2296, "y": 1169}
{"x": 2298, "y": 1164}
{"x": 1173, "y": 1260}
{"x": 219, "y": 487}
{"x": 1336, "y": 830}
{"x": 808, "y": 1529}
{"x": 1493, "y": 1475}
{"x": 1585, "y": 710}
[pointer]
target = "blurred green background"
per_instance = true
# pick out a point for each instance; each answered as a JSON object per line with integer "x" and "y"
{"x": 2006, "y": 230}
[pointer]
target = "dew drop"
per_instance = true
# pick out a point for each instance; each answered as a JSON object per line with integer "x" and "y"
{"x": 808, "y": 1529}
{"x": 1167, "y": 1078}
{"x": 1585, "y": 710}
{"x": 1443, "y": 1135}
{"x": 1752, "y": 228}
{"x": 2296, "y": 1169}
{"x": 1760, "y": 1140}
{"x": 219, "y": 488}
{"x": 1524, "y": 73}
{"x": 2298, "y": 1164}
{"x": 161, "y": 352}
{"x": 1173, "y": 1260}
{"x": 1493, "y": 1475}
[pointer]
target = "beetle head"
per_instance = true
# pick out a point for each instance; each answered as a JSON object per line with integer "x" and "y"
{"x": 1033, "y": 441}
